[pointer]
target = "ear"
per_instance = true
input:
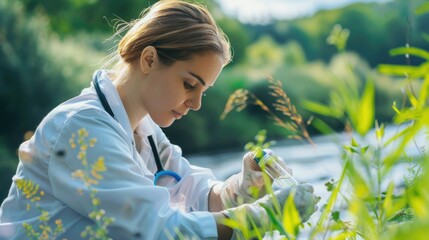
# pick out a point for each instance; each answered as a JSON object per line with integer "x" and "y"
{"x": 148, "y": 59}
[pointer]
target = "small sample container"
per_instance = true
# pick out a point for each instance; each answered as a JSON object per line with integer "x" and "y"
{"x": 275, "y": 168}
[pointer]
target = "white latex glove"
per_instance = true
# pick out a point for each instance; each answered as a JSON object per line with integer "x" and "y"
{"x": 304, "y": 199}
{"x": 237, "y": 188}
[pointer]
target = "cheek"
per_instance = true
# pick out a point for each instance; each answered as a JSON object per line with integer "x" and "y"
{"x": 166, "y": 91}
{"x": 168, "y": 98}
{"x": 174, "y": 93}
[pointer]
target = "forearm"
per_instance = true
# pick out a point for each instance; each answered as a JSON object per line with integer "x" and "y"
{"x": 215, "y": 206}
{"x": 215, "y": 201}
{"x": 224, "y": 232}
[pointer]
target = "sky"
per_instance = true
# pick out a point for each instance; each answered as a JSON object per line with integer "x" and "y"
{"x": 262, "y": 11}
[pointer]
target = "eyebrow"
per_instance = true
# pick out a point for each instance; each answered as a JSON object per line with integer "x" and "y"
{"x": 199, "y": 78}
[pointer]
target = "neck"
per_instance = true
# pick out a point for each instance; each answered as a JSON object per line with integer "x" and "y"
{"x": 126, "y": 86}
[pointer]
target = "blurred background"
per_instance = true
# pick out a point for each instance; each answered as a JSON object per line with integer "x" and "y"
{"x": 49, "y": 50}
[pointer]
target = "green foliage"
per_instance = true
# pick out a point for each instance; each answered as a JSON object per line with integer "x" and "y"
{"x": 365, "y": 191}
{"x": 37, "y": 71}
{"x": 238, "y": 37}
{"x": 382, "y": 26}
{"x": 293, "y": 54}
{"x": 264, "y": 52}
{"x": 311, "y": 82}
{"x": 374, "y": 209}
{"x": 8, "y": 164}
{"x": 291, "y": 219}
{"x": 260, "y": 142}
{"x": 338, "y": 37}
{"x": 422, "y": 9}
{"x": 94, "y": 15}
{"x": 345, "y": 102}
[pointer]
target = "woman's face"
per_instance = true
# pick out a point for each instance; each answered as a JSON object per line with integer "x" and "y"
{"x": 171, "y": 91}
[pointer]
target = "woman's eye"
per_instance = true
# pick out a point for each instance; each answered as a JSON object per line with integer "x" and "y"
{"x": 188, "y": 86}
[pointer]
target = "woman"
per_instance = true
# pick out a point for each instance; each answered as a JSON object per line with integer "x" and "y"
{"x": 167, "y": 60}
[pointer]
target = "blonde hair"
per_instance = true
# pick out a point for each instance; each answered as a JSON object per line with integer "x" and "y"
{"x": 177, "y": 29}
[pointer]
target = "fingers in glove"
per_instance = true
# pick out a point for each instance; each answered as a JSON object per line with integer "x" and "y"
{"x": 306, "y": 187}
{"x": 249, "y": 163}
{"x": 251, "y": 171}
{"x": 304, "y": 198}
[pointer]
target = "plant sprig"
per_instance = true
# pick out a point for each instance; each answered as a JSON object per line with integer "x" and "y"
{"x": 90, "y": 175}
{"x": 295, "y": 125}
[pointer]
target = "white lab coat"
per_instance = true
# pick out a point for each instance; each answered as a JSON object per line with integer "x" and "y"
{"x": 127, "y": 193}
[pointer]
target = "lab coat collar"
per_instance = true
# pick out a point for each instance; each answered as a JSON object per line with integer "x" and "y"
{"x": 144, "y": 128}
{"x": 113, "y": 99}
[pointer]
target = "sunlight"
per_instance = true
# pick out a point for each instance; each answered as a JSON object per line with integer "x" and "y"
{"x": 263, "y": 11}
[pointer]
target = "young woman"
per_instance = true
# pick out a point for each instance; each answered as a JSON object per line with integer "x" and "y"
{"x": 167, "y": 60}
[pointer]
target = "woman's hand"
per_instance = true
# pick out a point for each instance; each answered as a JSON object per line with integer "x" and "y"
{"x": 304, "y": 199}
{"x": 246, "y": 186}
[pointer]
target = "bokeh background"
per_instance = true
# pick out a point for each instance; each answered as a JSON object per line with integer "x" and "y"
{"x": 49, "y": 50}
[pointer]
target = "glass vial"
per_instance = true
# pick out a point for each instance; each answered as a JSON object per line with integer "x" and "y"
{"x": 275, "y": 168}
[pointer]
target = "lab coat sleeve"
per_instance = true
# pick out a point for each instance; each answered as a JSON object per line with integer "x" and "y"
{"x": 193, "y": 190}
{"x": 140, "y": 209}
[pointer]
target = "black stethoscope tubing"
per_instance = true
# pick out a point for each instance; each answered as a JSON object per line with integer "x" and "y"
{"x": 160, "y": 170}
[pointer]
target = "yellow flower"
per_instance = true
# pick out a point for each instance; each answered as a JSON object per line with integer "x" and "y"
{"x": 78, "y": 174}
{"x": 92, "y": 142}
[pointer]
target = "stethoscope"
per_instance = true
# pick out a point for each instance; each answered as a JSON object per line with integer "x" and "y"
{"x": 161, "y": 171}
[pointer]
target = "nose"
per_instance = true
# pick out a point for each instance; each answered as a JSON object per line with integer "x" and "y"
{"x": 194, "y": 102}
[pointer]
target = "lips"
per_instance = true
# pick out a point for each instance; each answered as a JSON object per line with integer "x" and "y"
{"x": 177, "y": 115}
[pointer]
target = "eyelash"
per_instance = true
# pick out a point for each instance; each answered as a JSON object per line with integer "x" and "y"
{"x": 188, "y": 86}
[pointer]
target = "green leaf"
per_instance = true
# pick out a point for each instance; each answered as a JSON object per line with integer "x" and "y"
{"x": 396, "y": 70}
{"x": 351, "y": 149}
{"x": 402, "y": 216}
{"x": 291, "y": 218}
{"x": 410, "y": 114}
{"x": 406, "y": 135}
{"x": 421, "y": 71}
{"x": 320, "y": 109}
{"x": 331, "y": 201}
{"x": 275, "y": 221}
{"x": 364, "y": 149}
{"x": 355, "y": 143}
{"x": 387, "y": 203}
{"x": 335, "y": 216}
{"x": 423, "y": 97}
{"x": 249, "y": 146}
{"x": 417, "y": 52}
{"x": 413, "y": 100}
{"x": 395, "y": 108}
{"x": 379, "y": 131}
{"x": 321, "y": 126}
{"x": 420, "y": 207}
{"x": 424, "y": 8}
{"x": 366, "y": 109}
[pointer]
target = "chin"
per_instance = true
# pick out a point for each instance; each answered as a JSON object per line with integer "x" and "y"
{"x": 164, "y": 124}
